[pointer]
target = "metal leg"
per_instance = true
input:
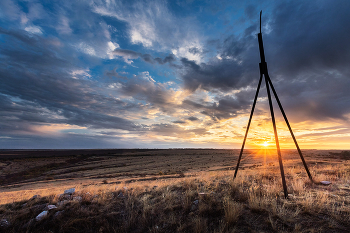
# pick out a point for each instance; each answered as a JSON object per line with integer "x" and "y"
{"x": 250, "y": 119}
{"x": 276, "y": 138}
{"x": 289, "y": 127}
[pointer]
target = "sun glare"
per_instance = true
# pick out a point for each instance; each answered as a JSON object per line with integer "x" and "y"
{"x": 265, "y": 144}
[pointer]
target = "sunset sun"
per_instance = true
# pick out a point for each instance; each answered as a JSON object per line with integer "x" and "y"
{"x": 265, "y": 144}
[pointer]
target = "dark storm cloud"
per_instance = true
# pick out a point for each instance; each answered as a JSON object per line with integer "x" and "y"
{"x": 192, "y": 118}
{"x": 224, "y": 108}
{"x": 308, "y": 55}
{"x": 233, "y": 71}
{"x": 129, "y": 54}
{"x": 310, "y": 51}
{"x": 37, "y": 88}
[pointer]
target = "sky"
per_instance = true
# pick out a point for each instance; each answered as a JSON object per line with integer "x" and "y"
{"x": 172, "y": 74}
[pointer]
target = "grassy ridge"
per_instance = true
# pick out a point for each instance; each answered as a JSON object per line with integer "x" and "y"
{"x": 204, "y": 202}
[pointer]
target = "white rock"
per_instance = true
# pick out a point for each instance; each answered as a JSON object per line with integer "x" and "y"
{"x": 325, "y": 182}
{"x": 41, "y": 215}
{"x": 69, "y": 191}
{"x": 50, "y": 207}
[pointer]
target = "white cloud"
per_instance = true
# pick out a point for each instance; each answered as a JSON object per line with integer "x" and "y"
{"x": 63, "y": 26}
{"x": 111, "y": 47}
{"x": 34, "y": 29}
{"x": 85, "y": 48}
{"x": 80, "y": 74}
{"x": 145, "y": 75}
{"x": 155, "y": 27}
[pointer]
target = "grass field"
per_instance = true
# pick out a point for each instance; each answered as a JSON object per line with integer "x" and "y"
{"x": 190, "y": 190}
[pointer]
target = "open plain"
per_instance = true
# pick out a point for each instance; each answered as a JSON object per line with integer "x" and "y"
{"x": 174, "y": 190}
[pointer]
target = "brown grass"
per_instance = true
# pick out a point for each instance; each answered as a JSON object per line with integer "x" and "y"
{"x": 202, "y": 201}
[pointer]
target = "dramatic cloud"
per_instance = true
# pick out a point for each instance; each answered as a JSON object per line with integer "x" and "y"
{"x": 94, "y": 74}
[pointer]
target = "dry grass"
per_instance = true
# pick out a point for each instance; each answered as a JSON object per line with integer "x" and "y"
{"x": 199, "y": 202}
{"x": 204, "y": 203}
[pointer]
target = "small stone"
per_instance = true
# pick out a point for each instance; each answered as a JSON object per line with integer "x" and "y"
{"x": 69, "y": 191}
{"x": 51, "y": 207}
{"x": 202, "y": 194}
{"x": 196, "y": 202}
{"x": 42, "y": 215}
{"x": 325, "y": 182}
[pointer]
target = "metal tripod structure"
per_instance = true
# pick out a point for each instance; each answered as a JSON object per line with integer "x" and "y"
{"x": 264, "y": 72}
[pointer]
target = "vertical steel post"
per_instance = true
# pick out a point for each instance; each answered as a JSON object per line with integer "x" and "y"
{"x": 276, "y": 140}
{"x": 250, "y": 119}
{"x": 289, "y": 127}
{"x": 263, "y": 71}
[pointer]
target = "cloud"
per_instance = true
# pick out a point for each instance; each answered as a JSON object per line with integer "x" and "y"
{"x": 307, "y": 54}
{"x": 130, "y": 55}
{"x": 39, "y": 88}
{"x": 63, "y": 26}
{"x": 152, "y": 25}
{"x": 34, "y": 29}
{"x": 63, "y": 71}
{"x": 177, "y": 131}
{"x": 192, "y": 118}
